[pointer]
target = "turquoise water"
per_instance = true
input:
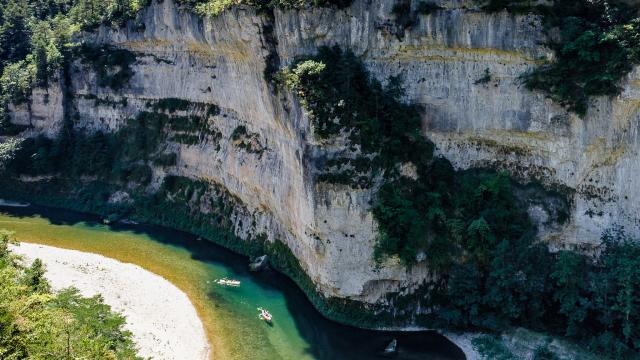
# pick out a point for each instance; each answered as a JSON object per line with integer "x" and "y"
{"x": 228, "y": 314}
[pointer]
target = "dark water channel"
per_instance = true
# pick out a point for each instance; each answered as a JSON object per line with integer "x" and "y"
{"x": 229, "y": 314}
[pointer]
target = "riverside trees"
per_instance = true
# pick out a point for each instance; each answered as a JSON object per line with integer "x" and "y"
{"x": 36, "y": 323}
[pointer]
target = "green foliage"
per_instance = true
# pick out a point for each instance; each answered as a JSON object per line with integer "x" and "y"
{"x": 39, "y": 324}
{"x": 89, "y": 14}
{"x": 272, "y": 60}
{"x": 291, "y": 77}
{"x": 491, "y": 348}
{"x": 14, "y": 32}
{"x": 171, "y": 105}
{"x": 17, "y": 80}
{"x": 486, "y": 78}
{"x": 50, "y": 42}
{"x": 570, "y": 279}
{"x": 594, "y": 302}
{"x": 120, "y": 157}
{"x": 139, "y": 174}
{"x": 36, "y": 39}
{"x": 8, "y": 151}
{"x": 34, "y": 277}
{"x": 239, "y": 132}
{"x": 599, "y": 45}
{"x": 543, "y": 353}
{"x": 616, "y": 297}
{"x": 165, "y": 160}
{"x": 216, "y": 7}
{"x": 106, "y": 100}
{"x": 513, "y": 6}
{"x": 188, "y": 130}
{"x": 247, "y": 141}
{"x": 414, "y": 214}
{"x": 344, "y": 100}
{"x": 348, "y": 171}
{"x": 404, "y": 16}
{"x": 212, "y": 7}
{"x": 427, "y": 7}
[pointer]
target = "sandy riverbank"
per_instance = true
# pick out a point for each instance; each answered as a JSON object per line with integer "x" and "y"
{"x": 163, "y": 321}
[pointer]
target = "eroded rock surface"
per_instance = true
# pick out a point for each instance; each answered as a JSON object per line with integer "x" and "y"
{"x": 329, "y": 228}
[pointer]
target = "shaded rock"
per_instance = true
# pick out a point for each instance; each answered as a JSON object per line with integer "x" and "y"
{"x": 259, "y": 263}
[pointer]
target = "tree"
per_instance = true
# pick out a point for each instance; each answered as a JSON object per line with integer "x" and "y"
{"x": 34, "y": 277}
{"x": 17, "y": 80}
{"x": 15, "y": 35}
{"x": 572, "y": 289}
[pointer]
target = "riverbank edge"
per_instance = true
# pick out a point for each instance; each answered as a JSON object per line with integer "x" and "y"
{"x": 64, "y": 265}
{"x": 347, "y": 312}
{"x": 343, "y": 311}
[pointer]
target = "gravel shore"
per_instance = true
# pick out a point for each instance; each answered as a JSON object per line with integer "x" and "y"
{"x": 163, "y": 321}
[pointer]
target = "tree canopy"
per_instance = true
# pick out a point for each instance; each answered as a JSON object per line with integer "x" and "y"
{"x": 36, "y": 323}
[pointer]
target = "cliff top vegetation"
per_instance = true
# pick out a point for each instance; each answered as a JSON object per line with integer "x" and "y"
{"x": 596, "y": 44}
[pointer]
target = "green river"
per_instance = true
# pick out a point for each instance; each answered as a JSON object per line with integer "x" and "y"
{"x": 229, "y": 315}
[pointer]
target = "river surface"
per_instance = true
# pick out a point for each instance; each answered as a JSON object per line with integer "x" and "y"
{"x": 229, "y": 315}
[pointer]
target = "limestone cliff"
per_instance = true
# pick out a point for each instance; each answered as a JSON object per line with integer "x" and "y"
{"x": 271, "y": 167}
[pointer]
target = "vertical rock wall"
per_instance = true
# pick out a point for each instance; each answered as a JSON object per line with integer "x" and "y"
{"x": 329, "y": 228}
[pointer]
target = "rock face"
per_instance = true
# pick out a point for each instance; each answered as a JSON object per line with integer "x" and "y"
{"x": 329, "y": 228}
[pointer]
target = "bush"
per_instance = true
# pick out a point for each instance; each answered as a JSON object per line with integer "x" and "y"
{"x": 599, "y": 44}
{"x": 491, "y": 348}
{"x": 17, "y": 80}
{"x": 35, "y": 40}
{"x": 404, "y": 17}
{"x": 514, "y": 6}
{"x": 486, "y": 78}
{"x": 216, "y": 7}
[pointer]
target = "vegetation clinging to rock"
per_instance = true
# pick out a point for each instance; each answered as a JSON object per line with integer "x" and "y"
{"x": 469, "y": 226}
{"x": 344, "y": 100}
{"x": 216, "y": 7}
{"x": 123, "y": 156}
{"x": 597, "y": 45}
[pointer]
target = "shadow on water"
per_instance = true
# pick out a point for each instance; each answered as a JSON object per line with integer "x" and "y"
{"x": 327, "y": 339}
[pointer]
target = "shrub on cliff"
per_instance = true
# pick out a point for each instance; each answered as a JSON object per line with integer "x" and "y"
{"x": 415, "y": 213}
{"x": 598, "y": 44}
{"x": 17, "y": 80}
